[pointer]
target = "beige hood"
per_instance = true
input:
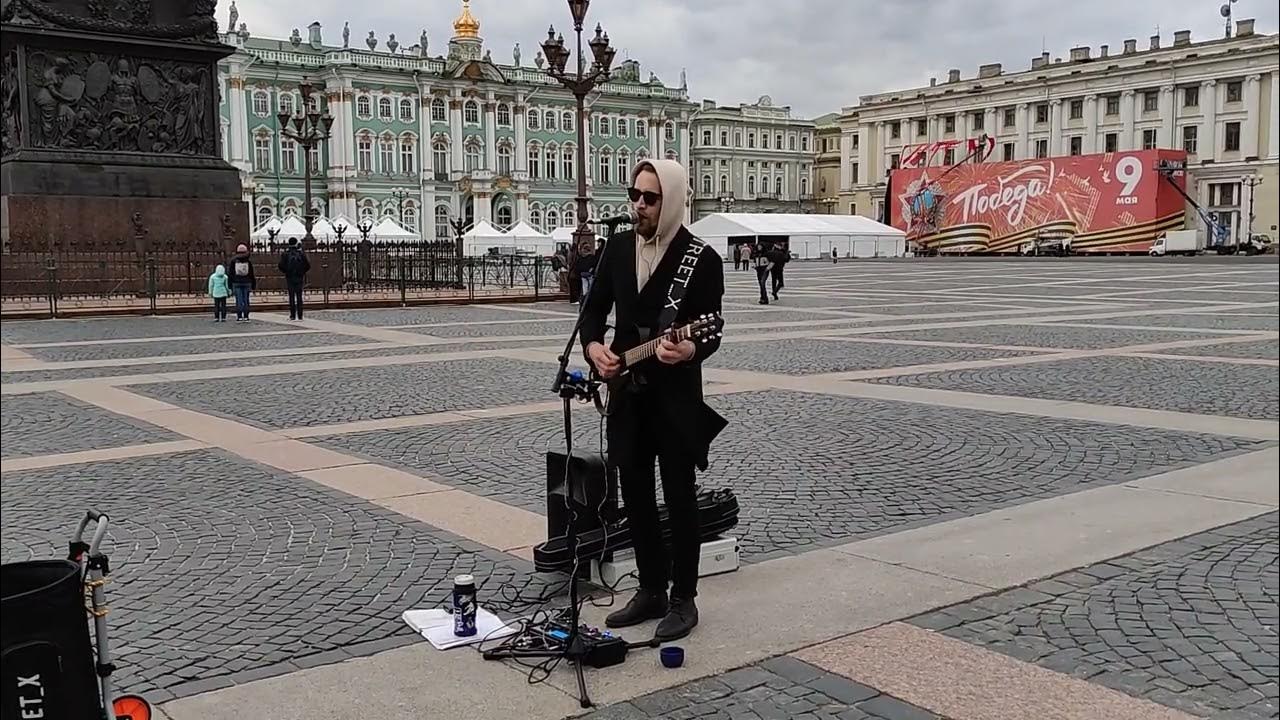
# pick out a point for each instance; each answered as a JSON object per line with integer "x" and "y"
{"x": 674, "y": 181}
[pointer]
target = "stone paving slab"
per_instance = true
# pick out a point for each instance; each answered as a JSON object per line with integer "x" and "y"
{"x": 231, "y": 343}
{"x": 521, "y": 325}
{"x": 1045, "y": 336}
{"x": 873, "y": 466}
{"x": 776, "y": 689}
{"x": 1220, "y": 321}
{"x": 224, "y": 567}
{"x": 1191, "y": 624}
{"x": 396, "y": 317}
{"x": 1246, "y": 391}
{"x": 41, "y": 331}
{"x": 47, "y": 423}
{"x": 806, "y": 357}
{"x": 1261, "y": 350}
{"x": 322, "y": 397}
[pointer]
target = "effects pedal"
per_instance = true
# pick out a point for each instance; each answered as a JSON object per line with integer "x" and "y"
{"x": 601, "y": 648}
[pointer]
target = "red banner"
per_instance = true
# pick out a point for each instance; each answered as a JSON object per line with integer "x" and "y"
{"x": 1113, "y": 202}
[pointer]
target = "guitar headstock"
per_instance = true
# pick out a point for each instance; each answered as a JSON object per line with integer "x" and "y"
{"x": 705, "y": 327}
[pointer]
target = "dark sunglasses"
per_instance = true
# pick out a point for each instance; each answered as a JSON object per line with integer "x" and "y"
{"x": 650, "y": 198}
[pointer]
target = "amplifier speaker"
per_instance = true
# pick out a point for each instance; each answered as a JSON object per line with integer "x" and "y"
{"x": 592, "y": 485}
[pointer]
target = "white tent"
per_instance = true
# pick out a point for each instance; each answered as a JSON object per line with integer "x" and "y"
{"x": 527, "y": 238}
{"x": 564, "y": 235}
{"x": 388, "y": 230}
{"x": 807, "y": 236}
{"x": 290, "y": 226}
{"x": 482, "y": 236}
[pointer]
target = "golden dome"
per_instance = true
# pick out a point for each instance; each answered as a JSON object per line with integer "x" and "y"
{"x": 466, "y": 26}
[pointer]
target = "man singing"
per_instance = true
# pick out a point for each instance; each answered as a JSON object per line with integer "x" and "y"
{"x": 660, "y": 413}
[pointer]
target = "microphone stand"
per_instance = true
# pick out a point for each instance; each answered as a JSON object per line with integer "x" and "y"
{"x": 570, "y": 386}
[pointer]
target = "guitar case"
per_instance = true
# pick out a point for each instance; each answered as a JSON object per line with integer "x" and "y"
{"x": 717, "y": 514}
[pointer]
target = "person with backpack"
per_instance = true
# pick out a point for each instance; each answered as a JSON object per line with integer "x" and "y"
{"x": 294, "y": 265}
{"x": 779, "y": 256}
{"x": 762, "y": 265}
{"x": 243, "y": 281}
{"x": 219, "y": 289}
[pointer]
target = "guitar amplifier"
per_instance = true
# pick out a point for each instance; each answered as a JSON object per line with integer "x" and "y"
{"x": 591, "y": 489}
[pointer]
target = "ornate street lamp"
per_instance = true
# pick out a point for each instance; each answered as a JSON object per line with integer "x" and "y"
{"x": 580, "y": 82}
{"x": 309, "y": 129}
{"x": 400, "y": 195}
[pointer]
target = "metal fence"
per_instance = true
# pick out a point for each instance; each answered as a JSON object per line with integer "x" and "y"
{"x": 342, "y": 273}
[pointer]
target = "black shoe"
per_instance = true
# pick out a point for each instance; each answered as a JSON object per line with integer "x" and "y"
{"x": 775, "y": 294}
{"x": 764, "y": 301}
{"x": 644, "y": 605}
{"x": 679, "y": 622}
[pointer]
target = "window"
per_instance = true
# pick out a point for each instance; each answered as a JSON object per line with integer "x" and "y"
{"x": 979, "y": 120}
{"x": 1221, "y": 194}
{"x": 706, "y": 184}
{"x": 778, "y": 141}
{"x": 777, "y": 186}
{"x": 669, "y": 131}
{"x": 1076, "y": 110}
{"x": 535, "y": 217}
{"x": 286, "y": 103}
{"x": 724, "y": 138}
{"x": 1077, "y": 145}
{"x": 364, "y": 154}
{"x": 1149, "y": 139}
{"x": 534, "y": 120}
{"x": 737, "y": 139}
{"x": 854, "y": 138}
{"x": 895, "y": 130}
{"x": 442, "y": 222}
{"x": 313, "y": 156}
{"x": 1234, "y": 91}
{"x": 553, "y": 218}
{"x": 804, "y": 186}
{"x": 261, "y": 103}
{"x": 552, "y": 156}
{"x": 751, "y": 139}
{"x": 504, "y": 115}
{"x": 569, "y": 161}
{"x": 1113, "y": 105}
{"x": 386, "y": 156}
{"x": 1042, "y": 148}
{"x": 439, "y": 111}
{"x": 570, "y": 216}
{"x": 364, "y": 107}
{"x": 1190, "y": 138}
{"x": 724, "y": 184}
{"x": 406, "y": 110}
{"x": 949, "y": 123}
{"x": 313, "y": 103}
{"x": 504, "y": 159}
{"x": 406, "y": 156}
{"x": 440, "y": 158}
{"x": 1110, "y": 142}
{"x": 853, "y": 172}
{"x": 1231, "y": 137}
{"x": 706, "y": 137}
{"x": 922, "y": 127}
{"x": 288, "y": 156}
{"x": 471, "y": 113}
{"x": 642, "y": 129}
{"x": 410, "y": 217}
{"x": 504, "y": 216}
{"x": 948, "y": 157}
{"x": 549, "y": 120}
{"x": 1010, "y": 118}
{"x": 535, "y": 161}
{"x": 751, "y": 186}
{"x": 622, "y": 127}
{"x": 384, "y": 109}
{"x": 1191, "y": 97}
{"x": 895, "y": 161}
{"x": 1042, "y": 112}
{"x": 264, "y": 213}
{"x": 606, "y": 127}
{"x": 262, "y": 153}
{"x": 764, "y": 141}
{"x": 804, "y": 143}
{"x": 566, "y": 121}
{"x": 1150, "y": 101}
{"x": 1006, "y": 151}
{"x": 606, "y": 165}
{"x": 624, "y": 167}
{"x": 791, "y": 142}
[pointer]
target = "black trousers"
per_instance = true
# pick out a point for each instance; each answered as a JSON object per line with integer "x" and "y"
{"x": 777, "y": 279}
{"x": 761, "y": 274}
{"x": 639, "y": 495}
{"x": 295, "y": 298}
{"x": 220, "y": 308}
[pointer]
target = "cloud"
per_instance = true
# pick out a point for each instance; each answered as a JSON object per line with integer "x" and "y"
{"x": 814, "y": 55}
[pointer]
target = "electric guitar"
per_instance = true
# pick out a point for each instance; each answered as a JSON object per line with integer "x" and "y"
{"x": 703, "y": 328}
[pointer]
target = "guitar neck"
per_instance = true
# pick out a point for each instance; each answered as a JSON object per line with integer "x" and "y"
{"x": 643, "y": 352}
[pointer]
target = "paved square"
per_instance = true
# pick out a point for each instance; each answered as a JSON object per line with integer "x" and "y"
{"x": 48, "y": 423}
{"x": 812, "y": 357}
{"x": 160, "y": 348}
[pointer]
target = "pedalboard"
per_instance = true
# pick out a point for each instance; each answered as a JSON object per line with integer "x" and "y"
{"x": 601, "y": 648}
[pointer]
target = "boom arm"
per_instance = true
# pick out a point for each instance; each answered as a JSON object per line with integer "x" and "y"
{"x": 1217, "y": 232}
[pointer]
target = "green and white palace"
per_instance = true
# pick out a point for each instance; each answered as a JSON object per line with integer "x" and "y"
{"x": 425, "y": 138}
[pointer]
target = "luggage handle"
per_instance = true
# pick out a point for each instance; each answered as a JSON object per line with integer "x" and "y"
{"x": 99, "y": 532}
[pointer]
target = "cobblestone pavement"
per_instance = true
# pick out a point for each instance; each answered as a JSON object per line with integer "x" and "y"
{"x": 1245, "y": 391}
{"x": 48, "y": 423}
{"x": 1261, "y": 350}
{"x": 779, "y": 689}
{"x": 194, "y": 347}
{"x": 530, "y": 325}
{"x": 809, "y": 357}
{"x": 398, "y": 317}
{"x": 872, "y": 467}
{"x": 1218, "y": 321}
{"x": 47, "y": 331}
{"x": 224, "y": 567}
{"x": 1043, "y": 336}
{"x": 346, "y": 395}
{"x": 1191, "y": 624}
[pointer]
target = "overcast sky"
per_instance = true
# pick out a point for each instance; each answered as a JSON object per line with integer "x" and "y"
{"x": 815, "y": 55}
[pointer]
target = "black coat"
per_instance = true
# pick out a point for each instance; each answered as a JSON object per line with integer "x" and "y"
{"x": 666, "y": 403}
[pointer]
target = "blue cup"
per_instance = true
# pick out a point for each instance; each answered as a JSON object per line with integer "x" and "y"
{"x": 672, "y": 657}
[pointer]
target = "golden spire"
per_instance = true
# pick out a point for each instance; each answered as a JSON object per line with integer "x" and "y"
{"x": 466, "y": 26}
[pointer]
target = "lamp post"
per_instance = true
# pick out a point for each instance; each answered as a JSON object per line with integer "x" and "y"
{"x": 308, "y": 129}
{"x": 580, "y": 82}
{"x": 256, "y": 190}
{"x": 400, "y": 195}
{"x": 1252, "y": 182}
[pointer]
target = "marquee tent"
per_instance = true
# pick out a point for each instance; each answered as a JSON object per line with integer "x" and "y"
{"x": 807, "y": 236}
{"x": 388, "y": 230}
{"x": 482, "y": 236}
{"x": 527, "y": 238}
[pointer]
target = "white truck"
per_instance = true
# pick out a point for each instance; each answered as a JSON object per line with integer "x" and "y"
{"x": 1177, "y": 242}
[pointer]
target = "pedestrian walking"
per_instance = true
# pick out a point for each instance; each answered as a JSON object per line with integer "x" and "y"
{"x": 746, "y": 256}
{"x": 834, "y": 255}
{"x": 243, "y": 281}
{"x": 219, "y": 289}
{"x": 778, "y": 259}
{"x": 586, "y": 266}
{"x": 294, "y": 265}
{"x": 737, "y": 256}
{"x": 762, "y": 265}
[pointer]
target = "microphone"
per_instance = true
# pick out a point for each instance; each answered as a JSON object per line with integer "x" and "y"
{"x": 628, "y": 217}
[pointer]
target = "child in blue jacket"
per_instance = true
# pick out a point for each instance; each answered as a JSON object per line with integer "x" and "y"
{"x": 219, "y": 289}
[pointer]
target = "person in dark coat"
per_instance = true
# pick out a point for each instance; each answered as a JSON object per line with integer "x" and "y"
{"x": 243, "y": 281}
{"x": 778, "y": 257}
{"x": 762, "y": 263}
{"x": 661, "y": 413}
{"x": 294, "y": 265}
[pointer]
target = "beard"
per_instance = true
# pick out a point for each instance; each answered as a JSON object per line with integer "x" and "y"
{"x": 646, "y": 227}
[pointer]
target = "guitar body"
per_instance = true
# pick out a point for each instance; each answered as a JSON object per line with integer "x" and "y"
{"x": 630, "y": 379}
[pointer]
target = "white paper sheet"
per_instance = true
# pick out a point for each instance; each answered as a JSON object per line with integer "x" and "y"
{"x": 437, "y": 627}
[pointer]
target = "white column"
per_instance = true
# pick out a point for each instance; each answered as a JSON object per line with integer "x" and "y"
{"x": 989, "y": 126}
{"x": 1090, "y": 124}
{"x": 1024, "y": 129}
{"x": 1128, "y": 99}
{"x": 490, "y": 136}
{"x": 655, "y": 137}
{"x": 882, "y": 154}
{"x": 426, "y": 188}
{"x": 521, "y": 117}
{"x": 846, "y": 161}
{"x": 1055, "y": 127}
{"x": 1167, "y": 124}
{"x": 455, "y": 135}
{"x": 864, "y": 155}
{"x": 522, "y": 206}
{"x": 1207, "y": 142}
{"x": 683, "y": 141}
{"x": 931, "y": 124}
{"x": 484, "y": 206}
{"x": 1273, "y": 134}
{"x": 962, "y": 131}
{"x": 238, "y": 137}
{"x": 1252, "y": 110}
